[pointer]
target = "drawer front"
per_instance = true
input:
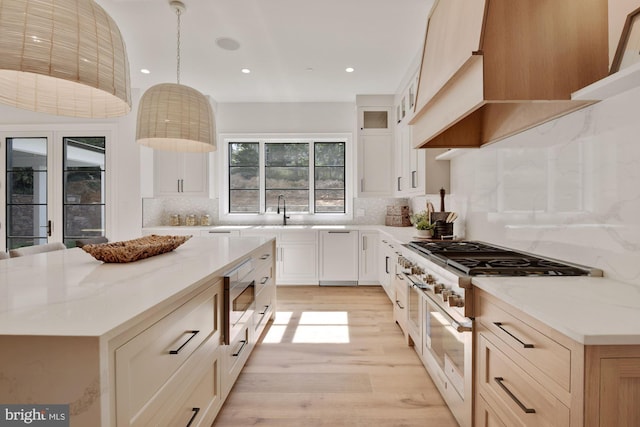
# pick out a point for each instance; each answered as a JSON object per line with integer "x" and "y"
{"x": 486, "y": 416}
{"x": 204, "y": 402}
{"x": 263, "y": 278}
{"x": 146, "y": 362}
{"x": 552, "y": 358}
{"x": 264, "y": 309}
{"x": 525, "y": 401}
{"x": 236, "y": 355}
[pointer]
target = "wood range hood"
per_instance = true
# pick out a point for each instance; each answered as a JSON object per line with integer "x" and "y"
{"x": 493, "y": 68}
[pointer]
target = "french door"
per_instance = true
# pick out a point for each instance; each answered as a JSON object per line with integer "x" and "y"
{"x": 55, "y": 187}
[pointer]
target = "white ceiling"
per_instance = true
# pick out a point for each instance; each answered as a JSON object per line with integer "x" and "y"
{"x": 279, "y": 41}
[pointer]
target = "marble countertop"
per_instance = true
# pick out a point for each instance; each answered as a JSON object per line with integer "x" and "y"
{"x": 70, "y": 293}
{"x": 590, "y": 310}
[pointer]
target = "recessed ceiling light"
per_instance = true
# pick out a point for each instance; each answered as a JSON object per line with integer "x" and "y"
{"x": 227, "y": 43}
{"x": 145, "y": 71}
{"x": 308, "y": 69}
{"x": 246, "y": 70}
{"x": 350, "y": 69}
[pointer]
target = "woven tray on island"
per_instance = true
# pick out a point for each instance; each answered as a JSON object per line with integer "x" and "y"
{"x": 136, "y": 249}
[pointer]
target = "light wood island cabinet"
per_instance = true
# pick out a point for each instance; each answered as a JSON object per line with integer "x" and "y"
{"x": 527, "y": 373}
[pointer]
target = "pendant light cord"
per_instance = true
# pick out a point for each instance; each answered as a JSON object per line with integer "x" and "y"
{"x": 178, "y": 47}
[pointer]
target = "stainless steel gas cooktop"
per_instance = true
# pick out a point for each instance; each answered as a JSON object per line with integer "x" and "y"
{"x": 474, "y": 258}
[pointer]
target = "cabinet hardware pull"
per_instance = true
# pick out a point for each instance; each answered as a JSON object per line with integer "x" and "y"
{"x": 182, "y": 185}
{"x": 399, "y": 187}
{"x": 339, "y": 232}
{"x": 193, "y": 334}
{"x": 264, "y": 280}
{"x": 513, "y": 396}
{"x": 266, "y": 308}
{"x": 362, "y": 185}
{"x": 413, "y": 179}
{"x": 49, "y": 228}
{"x": 364, "y": 243}
{"x": 219, "y": 232}
{"x": 386, "y": 264}
{"x": 398, "y": 276}
{"x": 525, "y": 345}
{"x": 178, "y": 185}
{"x": 193, "y": 417}
{"x": 461, "y": 328}
{"x": 398, "y": 304}
{"x": 244, "y": 342}
{"x": 265, "y": 256}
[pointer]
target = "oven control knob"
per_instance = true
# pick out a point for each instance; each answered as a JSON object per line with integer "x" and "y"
{"x": 437, "y": 288}
{"x": 430, "y": 279}
{"x": 456, "y": 301}
{"x": 445, "y": 294}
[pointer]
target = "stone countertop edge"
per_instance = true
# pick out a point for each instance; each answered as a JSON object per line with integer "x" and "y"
{"x": 589, "y": 310}
{"x": 69, "y": 293}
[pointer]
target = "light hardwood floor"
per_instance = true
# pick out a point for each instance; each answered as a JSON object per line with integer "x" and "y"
{"x": 334, "y": 357}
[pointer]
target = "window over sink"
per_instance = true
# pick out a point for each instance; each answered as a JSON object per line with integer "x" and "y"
{"x": 309, "y": 172}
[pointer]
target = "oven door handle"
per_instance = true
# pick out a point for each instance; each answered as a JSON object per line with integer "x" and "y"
{"x": 458, "y": 326}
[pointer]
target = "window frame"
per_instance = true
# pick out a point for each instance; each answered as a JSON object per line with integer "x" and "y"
{"x": 272, "y": 217}
{"x": 55, "y": 134}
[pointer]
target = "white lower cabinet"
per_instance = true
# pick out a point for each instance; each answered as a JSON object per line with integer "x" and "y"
{"x": 368, "y": 261}
{"x": 162, "y": 362}
{"x": 387, "y": 258}
{"x": 296, "y": 255}
{"x": 339, "y": 257}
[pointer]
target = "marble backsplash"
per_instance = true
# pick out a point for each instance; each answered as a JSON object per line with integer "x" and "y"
{"x": 157, "y": 211}
{"x": 568, "y": 189}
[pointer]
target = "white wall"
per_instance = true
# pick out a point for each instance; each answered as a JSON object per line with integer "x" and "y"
{"x": 568, "y": 189}
{"x": 126, "y": 221}
{"x": 320, "y": 117}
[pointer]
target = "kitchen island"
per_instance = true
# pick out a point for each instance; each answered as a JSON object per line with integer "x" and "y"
{"x": 122, "y": 344}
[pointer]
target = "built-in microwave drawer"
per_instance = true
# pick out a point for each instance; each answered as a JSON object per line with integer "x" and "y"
{"x": 147, "y": 361}
{"x": 523, "y": 337}
{"x": 522, "y": 399}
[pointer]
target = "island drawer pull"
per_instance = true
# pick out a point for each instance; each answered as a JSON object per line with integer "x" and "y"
{"x": 193, "y": 334}
{"x": 499, "y": 380}
{"x": 398, "y": 304}
{"x": 525, "y": 345}
{"x": 236, "y": 354}
{"x": 266, "y": 308}
{"x": 265, "y": 256}
{"x": 264, "y": 280}
{"x": 193, "y": 417}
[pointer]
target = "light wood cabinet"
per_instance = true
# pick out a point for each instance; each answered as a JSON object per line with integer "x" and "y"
{"x": 527, "y": 373}
{"x": 491, "y": 69}
{"x": 612, "y": 386}
{"x": 181, "y": 174}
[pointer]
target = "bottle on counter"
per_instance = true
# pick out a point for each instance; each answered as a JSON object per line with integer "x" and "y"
{"x": 191, "y": 220}
{"x": 174, "y": 220}
{"x": 205, "y": 220}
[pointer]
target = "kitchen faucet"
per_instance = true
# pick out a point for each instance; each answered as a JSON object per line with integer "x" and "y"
{"x": 284, "y": 209}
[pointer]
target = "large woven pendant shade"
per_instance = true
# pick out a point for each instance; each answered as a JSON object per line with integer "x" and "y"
{"x": 62, "y": 57}
{"x": 174, "y": 117}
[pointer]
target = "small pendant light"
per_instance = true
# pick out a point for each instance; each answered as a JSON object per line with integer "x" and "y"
{"x": 62, "y": 57}
{"x": 174, "y": 117}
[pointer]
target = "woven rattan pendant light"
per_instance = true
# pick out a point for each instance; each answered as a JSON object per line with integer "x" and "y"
{"x": 174, "y": 117}
{"x": 62, "y": 57}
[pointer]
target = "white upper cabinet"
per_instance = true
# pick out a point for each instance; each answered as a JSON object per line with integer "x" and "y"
{"x": 181, "y": 174}
{"x": 375, "y": 145}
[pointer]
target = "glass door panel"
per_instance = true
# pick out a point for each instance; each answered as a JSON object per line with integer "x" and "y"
{"x": 27, "y": 180}
{"x": 84, "y": 188}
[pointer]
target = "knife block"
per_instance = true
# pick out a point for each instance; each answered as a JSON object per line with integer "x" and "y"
{"x": 442, "y": 228}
